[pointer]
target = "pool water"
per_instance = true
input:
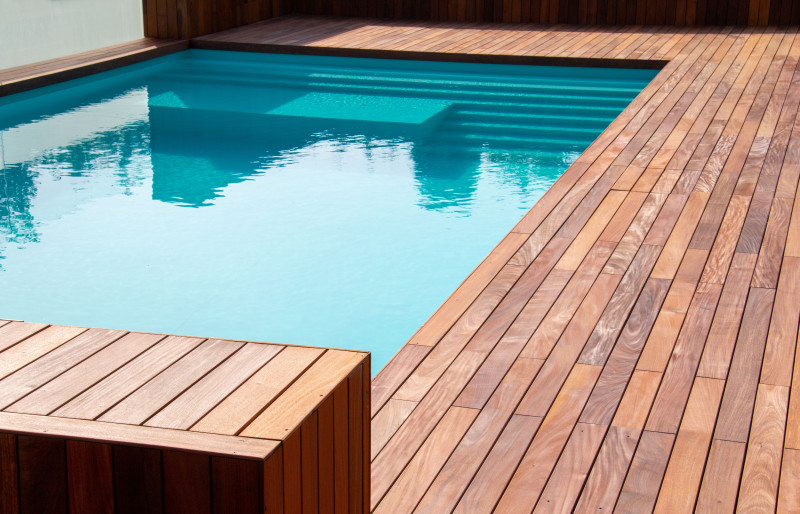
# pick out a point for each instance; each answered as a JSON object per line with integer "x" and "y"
{"x": 295, "y": 199}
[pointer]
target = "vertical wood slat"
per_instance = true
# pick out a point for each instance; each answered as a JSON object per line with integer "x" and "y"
{"x": 233, "y": 482}
{"x": 192, "y": 18}
{"x": 272, "y": 477}
{"x": 325, "y": 445}
{"x": 9, "y": 480}
{"x": 187, "y": 482}
{"x": 292, "y": 473}
{"x": 309, "y": 464}
{"x": 42, "y": 475}
{"x": 356, "y": 441}
{"x": 90, "y": 477}
{"x": 138, "y": 475}
{"x": 340, "y": 449}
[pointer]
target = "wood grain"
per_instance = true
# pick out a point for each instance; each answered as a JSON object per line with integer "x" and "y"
{"x": 721, "y": 478}
{"x": 759, "y": 485}
{"x": 685, "y": 468}
{"x": 90, "y": 477}
{"x": 9, "y": 475}
{"x": 138, "y": 479}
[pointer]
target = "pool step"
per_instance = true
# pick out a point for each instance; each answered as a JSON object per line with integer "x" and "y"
{"x": 518, "y": 142}
{"x": 532, "y": 119}
{"x": 511, "y": 95}
{"x": 515, "y": 85}
{"x": 634, "y": 80}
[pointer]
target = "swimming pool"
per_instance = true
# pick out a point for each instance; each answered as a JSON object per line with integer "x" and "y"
{"x": 296, "y": 199}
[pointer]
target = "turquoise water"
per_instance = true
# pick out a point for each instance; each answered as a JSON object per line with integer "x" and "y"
{"x": 295, "y": 199}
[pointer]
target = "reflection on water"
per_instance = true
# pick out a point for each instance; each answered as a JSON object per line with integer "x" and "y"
{"x": 387, "y": 195}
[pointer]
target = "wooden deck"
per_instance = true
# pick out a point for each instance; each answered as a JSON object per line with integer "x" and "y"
{"x": 631, "y": 344}
{"x": 103, "y": 421}
{"x": 52, "y": 71}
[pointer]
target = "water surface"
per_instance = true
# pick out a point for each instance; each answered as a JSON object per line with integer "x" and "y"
{"x": 295, "y": 199}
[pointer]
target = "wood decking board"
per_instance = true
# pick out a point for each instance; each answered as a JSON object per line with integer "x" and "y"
{"x": 650, "y": 289}
{"x": 631, "y": 344}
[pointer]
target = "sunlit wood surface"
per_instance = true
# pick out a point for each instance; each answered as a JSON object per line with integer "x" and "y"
{"x": 630, "y": 344}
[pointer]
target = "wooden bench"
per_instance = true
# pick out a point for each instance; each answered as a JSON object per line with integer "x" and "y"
{"x": 95, "y": 420}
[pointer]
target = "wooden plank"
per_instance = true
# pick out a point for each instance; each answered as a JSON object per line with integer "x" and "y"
{"x": 779, "y": 353}
{"x": 674, "y": 391}
{"x": 529, "y": 480}
{"x": 292, "y": 473}
{"x": 118, "y": 385}
{"x": 341, "y": 444}
{"x": 273, "y": 481}
{"x": 258, "y": 391}
{"x": 9, "y": 474}
{"x": 309, "y": 464}
{"x": 561, "y": 313}
{"x": 721, "y": 477}
{"x": 233, "y": 482}
{"x": 137, "y": 484}
{"x": 490, "y": 481}
{"x": 789, "y": 494}
{"x": 187, "y": 482}
{"x": 454, "y": 477}
{"x": 644, "y": 476}
{"x": 635, "y": 404}
{"x": 613, "y": 380}
{"x": 665, "y": 332}
{"x": 610, "y": 324}
{"x": 725, "y": 327}
{"x": 150, "y": 437}
{"x": 567, "y": 478}
{"x": 685, "y": 468}
{"x": 557, "y": 366}
{"x": 740, "y": 389}
{"x": 289, "y": 409}
{"x": 608, "y": 471}
{"x": 61, "y": 389}
{"x": 326, "y": 454}
{"x": 678, "y": 242}
{"x": 759, "y": 485}
{"x": 45, "y": 368}
{"x": 35, "y": 346}
{"x": 164, "y": 387}
{"x": 90, "y": 477}
{"x": 387, "y": 421}
{"x": 206, "y": 393}
{"x": 42, "y": 467}
{"x": 422, "y": 469}
{"x": 389, "y": 379}
{"x": 356, "y": 443}
{"x": 16, "y": 331}
{"x": 591, "y": 231}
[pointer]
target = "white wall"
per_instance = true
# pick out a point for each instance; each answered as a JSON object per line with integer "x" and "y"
{"x": 35, "y": 30}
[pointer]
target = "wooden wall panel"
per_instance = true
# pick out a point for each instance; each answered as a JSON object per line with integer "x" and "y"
{"x": 190, "y": 18}
{"x": 584, "y": 12}
{"x": 9, "y": 485}
{"x": 90, "y": 477}
{"x": 138, "y": 476}
{"x": 42, "y": 466}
